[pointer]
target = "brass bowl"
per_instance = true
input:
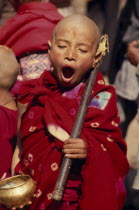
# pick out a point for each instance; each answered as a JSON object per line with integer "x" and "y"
{"x": 16, "y": 190}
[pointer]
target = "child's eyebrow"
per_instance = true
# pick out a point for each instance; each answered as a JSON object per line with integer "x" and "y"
{"x": 84, "y": 44}
{"x": 68, "y": 42}
{"x": 63, "y": 40}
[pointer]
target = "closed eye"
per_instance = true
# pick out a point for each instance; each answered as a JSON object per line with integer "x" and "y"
{"x": 83, "y": 51}
{"x": 61, "y": 46}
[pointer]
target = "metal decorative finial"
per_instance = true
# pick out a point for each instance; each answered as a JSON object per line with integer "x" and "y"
{"x": 104, "y": 44}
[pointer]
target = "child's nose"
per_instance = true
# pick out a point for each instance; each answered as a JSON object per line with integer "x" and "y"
{"x": 71, "y": 55}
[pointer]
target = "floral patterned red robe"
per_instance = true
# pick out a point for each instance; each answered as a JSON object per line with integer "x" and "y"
{"x": 48, "y": 121}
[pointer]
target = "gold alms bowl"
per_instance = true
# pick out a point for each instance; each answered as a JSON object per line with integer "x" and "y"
{"x": 16, "y": 190}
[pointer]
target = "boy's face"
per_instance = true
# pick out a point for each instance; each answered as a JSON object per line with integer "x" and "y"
{"x": 72, "y": 53}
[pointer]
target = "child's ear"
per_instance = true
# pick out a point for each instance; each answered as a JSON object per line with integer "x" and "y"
{"x": 97, "y": 59}
{"x": 49, "y": 47}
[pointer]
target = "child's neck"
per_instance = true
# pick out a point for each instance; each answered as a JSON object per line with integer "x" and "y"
{"x": 6, "y": 100}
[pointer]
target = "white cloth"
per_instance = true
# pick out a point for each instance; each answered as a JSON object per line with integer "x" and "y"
{"x": 126, "y": 82}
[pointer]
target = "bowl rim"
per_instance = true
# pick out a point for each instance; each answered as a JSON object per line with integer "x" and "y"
{"x": 15, "y": 177}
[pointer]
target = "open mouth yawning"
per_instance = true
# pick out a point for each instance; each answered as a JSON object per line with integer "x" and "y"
{"x": 68, "y": 73}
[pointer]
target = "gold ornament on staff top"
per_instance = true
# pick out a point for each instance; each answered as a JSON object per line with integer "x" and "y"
{"x": 103, "y": 45}
{"x": 18, "y": 190}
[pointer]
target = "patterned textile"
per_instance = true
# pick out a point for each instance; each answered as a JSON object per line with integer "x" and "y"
{"x": 48, "y": 122}
{"x": 33, "y": 65}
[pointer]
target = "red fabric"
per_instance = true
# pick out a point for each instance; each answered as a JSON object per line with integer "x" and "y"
{"x": 106, "y": 164}
{"x": 31, "y": 28}
{"x": 8, "y": 130}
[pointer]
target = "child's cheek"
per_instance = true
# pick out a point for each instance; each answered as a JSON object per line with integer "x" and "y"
{"x": 86, "y": 64}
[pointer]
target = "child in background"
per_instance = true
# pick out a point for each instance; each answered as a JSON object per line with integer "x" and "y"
{"x": 8, "y": 110}
{"x": 100, "y": 164}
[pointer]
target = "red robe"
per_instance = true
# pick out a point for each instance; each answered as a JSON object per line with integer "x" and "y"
{"x": 8, "y": 131}
{"x": 30, "y": 29}
{"x": 50, "y": 116}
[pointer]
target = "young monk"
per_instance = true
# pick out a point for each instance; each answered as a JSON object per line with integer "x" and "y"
{"x": 96, "y": 179}
{"x": 8, "y": 110}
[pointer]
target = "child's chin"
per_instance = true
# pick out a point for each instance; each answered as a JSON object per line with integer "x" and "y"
{"x": 67, "y": 85}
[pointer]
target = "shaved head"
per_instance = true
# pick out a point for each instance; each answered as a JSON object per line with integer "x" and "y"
{"x": 8, "y": 67}
{"x": 76, "y": 21}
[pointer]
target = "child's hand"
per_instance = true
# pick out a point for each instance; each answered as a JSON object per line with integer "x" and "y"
{"x": 21, "y": 206}
{"x": 75, "y": 148}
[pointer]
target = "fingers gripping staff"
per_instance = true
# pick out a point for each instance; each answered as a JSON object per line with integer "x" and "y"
{"x": 67, "y": 162}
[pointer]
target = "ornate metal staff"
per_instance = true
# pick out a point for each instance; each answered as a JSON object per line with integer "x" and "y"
{"x": 67, "y": 162}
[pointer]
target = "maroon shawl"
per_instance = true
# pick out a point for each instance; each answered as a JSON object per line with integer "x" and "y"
{"x": 52, "y": 108}
{"x": 31, "y": 28}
